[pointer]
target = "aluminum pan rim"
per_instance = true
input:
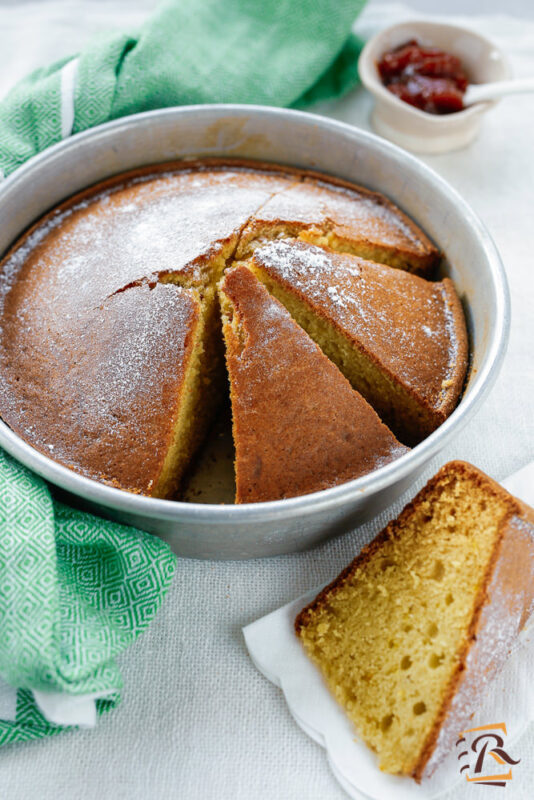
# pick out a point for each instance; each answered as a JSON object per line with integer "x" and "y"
{"x": 328, "y": 498}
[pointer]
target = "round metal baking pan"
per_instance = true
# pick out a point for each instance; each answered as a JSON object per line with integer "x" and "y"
{"x": 302, "y": 140}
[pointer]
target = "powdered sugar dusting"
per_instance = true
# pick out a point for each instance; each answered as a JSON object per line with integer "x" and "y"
{"x": 358, "y": 214}
{"x": 397, "y": 317}
{"x": 104, "y": 405}
{"x": 85, "y": 362}
{"x": 509, "y": 604}
{"x": 170, "y": 222}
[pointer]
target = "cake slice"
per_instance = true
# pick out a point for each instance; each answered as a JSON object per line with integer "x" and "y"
{"x": 399, "y": 339}
{"x": 409, "y": 635}
{"x": 344, "y": 217}
{"x": 128, "y": 390}
{"x": 298, "y": 425}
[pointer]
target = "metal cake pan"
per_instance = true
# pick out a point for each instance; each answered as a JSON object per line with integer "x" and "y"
{"x": 302, "y": 140}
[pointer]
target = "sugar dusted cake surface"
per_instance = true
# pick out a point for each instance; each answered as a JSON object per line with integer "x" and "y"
{"x": 111, "y": 355}
{"x": 408, "y": 331}
{"x": 347, "y": 218}
{"x": 95, "y": 344}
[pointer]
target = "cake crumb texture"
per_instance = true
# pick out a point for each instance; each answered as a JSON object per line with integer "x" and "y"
{"x": 399, "y": 339}
{"x": 410, "y": 633}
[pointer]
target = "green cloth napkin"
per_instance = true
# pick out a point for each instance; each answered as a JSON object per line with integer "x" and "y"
{"x": 269, "y": 52}
{"x": 76, "y": 590}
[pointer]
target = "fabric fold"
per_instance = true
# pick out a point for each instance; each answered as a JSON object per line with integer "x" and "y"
{"x": 266, "y": 52}
{"x": 75, "y": 591}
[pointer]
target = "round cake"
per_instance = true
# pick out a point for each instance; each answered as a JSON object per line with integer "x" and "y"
{"x": 111, "y": 348}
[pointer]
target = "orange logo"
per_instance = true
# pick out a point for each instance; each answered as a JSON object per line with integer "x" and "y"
{"x": 487, "y": 744}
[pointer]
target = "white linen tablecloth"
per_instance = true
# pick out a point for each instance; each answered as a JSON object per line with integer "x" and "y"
{"x": 198, "y": 721}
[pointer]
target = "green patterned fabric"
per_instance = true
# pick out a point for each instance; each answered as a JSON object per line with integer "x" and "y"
{"x": 31, "y": 723}
{"x": 76, "y": 590}
{"x": 270, "y": 52}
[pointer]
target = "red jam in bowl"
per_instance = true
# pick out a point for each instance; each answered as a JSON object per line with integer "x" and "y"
{"x": 425, "y": 77}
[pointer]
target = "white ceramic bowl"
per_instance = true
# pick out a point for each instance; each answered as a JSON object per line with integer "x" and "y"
{"x": 408, "y": 126}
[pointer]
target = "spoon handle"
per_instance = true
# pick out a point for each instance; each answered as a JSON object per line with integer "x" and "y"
{"x": 490, "y": 91}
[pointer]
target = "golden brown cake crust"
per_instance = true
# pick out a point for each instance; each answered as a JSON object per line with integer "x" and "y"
{"x": 505, "y": 598}
{"x": 165, "y": 221}
{"x": 141, "y": 225}
{"x": 504, "y": 604}
{"x": 404, "y": 236}
{"x": 352, "y": 216}
{"x": 99, "y": 391}
{"x": 88, "y": 268}
{"x": 298, "y": 425}
{"x": 412, "y": 329}
{"x": 308, "y": 200}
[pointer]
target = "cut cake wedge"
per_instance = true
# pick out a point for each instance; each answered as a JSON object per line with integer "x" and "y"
{"x": 298, "y": 425}
{"x": 344, "y": 217}
{"x": 408, "y": 636}
{"x": 399, "y": 339}
{"x": 128, "y": 404}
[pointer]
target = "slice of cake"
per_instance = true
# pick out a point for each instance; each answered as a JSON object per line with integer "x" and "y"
{"x": 121, "y": 393}
{"x": 344, "y": 217}
{"x": 399, "y": 339}
{"x": 298, "y": 425}
{"x": 409, "y": 635}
